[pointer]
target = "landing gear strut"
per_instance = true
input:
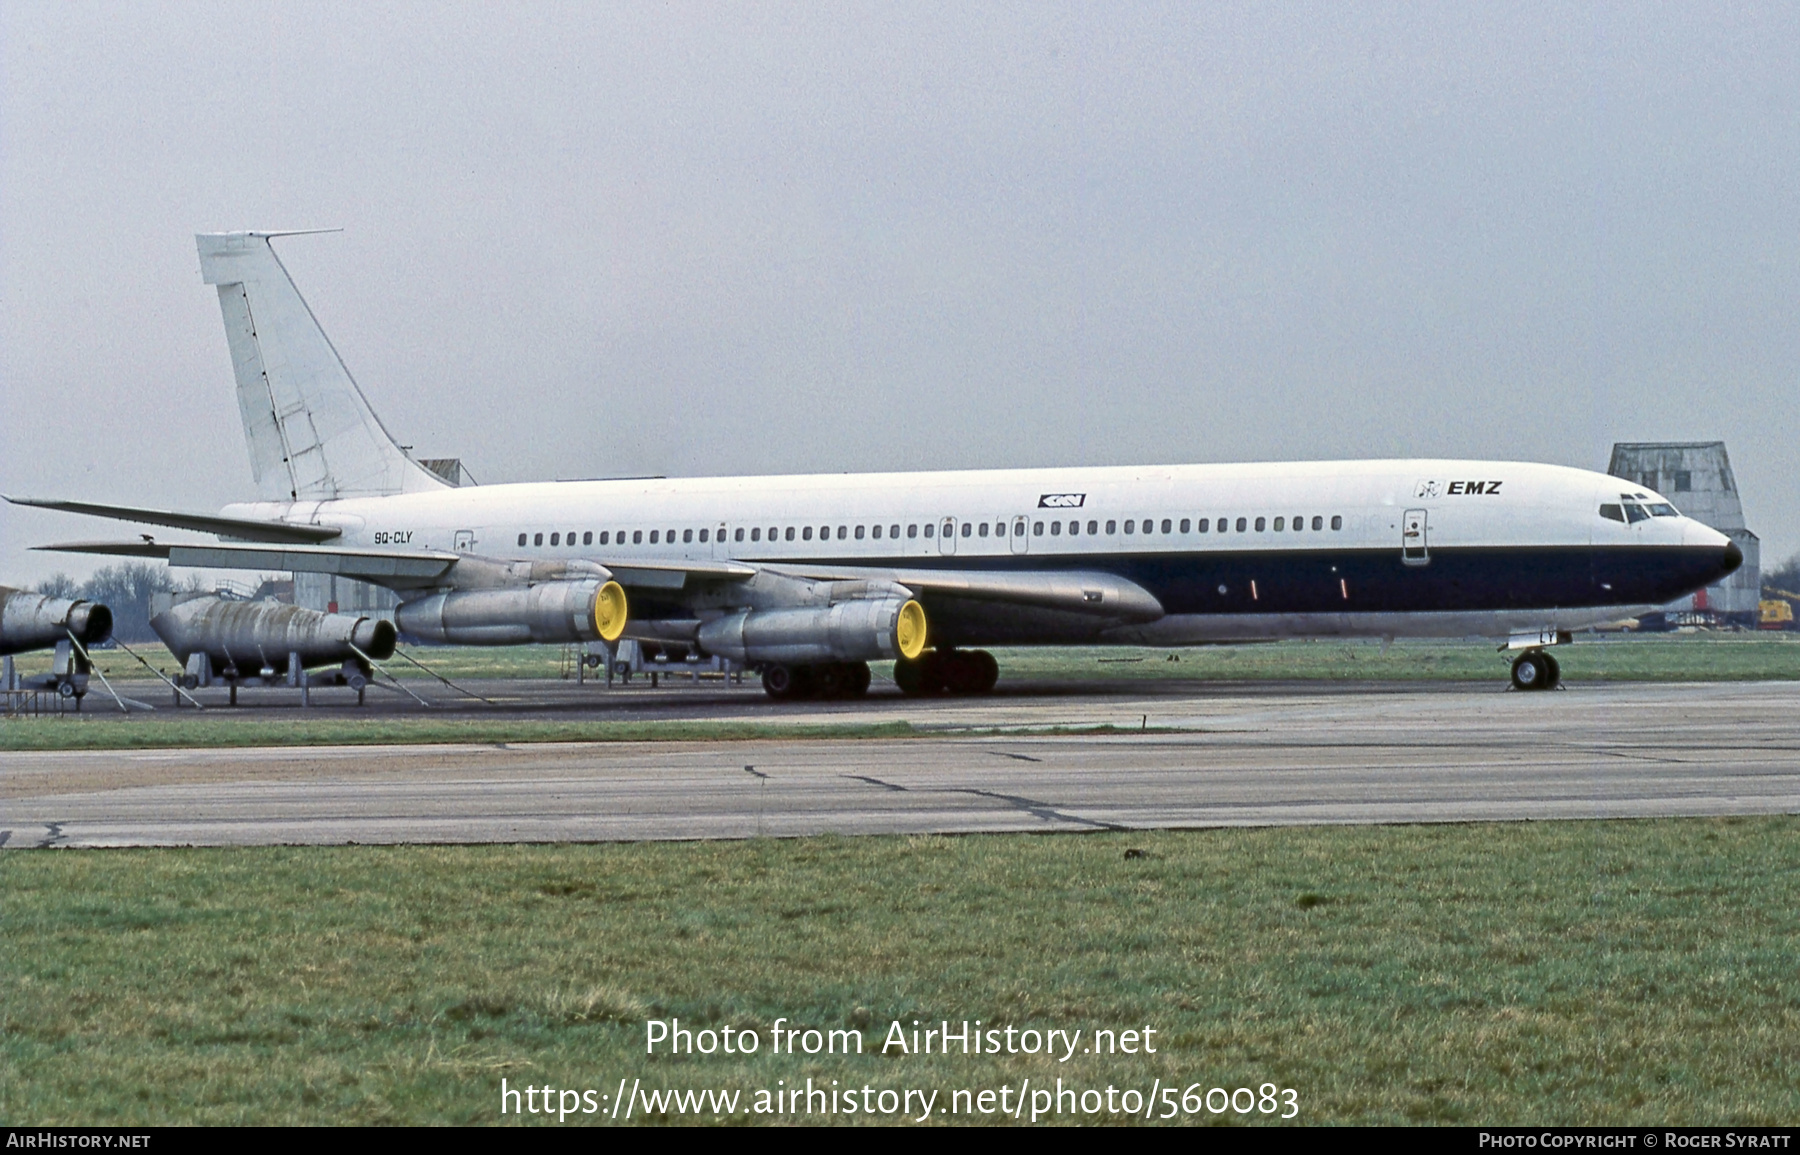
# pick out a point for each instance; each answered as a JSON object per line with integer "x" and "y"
{"x": 832, "y": 680}
{"x": 946, "y": 671}
{"x": 1535, "y": 670}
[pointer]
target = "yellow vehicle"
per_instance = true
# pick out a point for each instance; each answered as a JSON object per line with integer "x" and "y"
{"x": 1777, "y": 613}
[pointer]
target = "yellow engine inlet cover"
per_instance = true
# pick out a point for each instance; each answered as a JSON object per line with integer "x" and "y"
{"x": 909, "y": 630}
{"x": 609, "y": 612}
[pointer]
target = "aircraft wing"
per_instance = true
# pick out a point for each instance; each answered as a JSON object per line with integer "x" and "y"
{"x": 249, "y": 529}
{"x": 1094, "y": 593}
{"x": 1078, "y": 591}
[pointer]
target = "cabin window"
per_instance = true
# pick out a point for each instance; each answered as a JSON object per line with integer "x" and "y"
{"x": 569, "y": 537}
{"x": 875, "y": 532}
{"x": 1243, "y": 524}
{"x": 1202, "y": 525}
{"x": 1224, "y": 524}
{"x": 1280, "y": 524}
{"x": 703, "y": 534}
{"x": 1259, "y": 525}
{"x": 1074, "y": 528}
{"x": 859, "y": 533}
{"x": 824, "y": 533}
{"x": 1037, "y": 529}
{"x": 928, "y": 529}
{"x": 1112, "y": 526}
{"x": 984, "y": 529}
{"x": 605, "y": 536}
{"x": 1337, "y": 522}
{"x": 587, "y": 537}
{"x": 806, "y": 534}
{"x": 655, "y": 534}
{"x": 1168, "y": 526}
{"x": 1055, "y": 528}
{"x": 789, "y": 535}
{"x": 687, "y": 535}
{"x": 893, "y": 531}
{"x": 521, "y": 539}
{"x": 842, "y": 531}
{"x": 1318, "y": 523}
{"x": 669, "y": 537}
{"x": 967, "y": 529}
{"x": 553, "y": 538}
{"x": 1612, "y": 512}
{"x": 912, "y": 531}
{"x": 738, "y": 534}
{"x": 637, "y": 536}
{"x": 1129, "y": 525}
{"x": 1093, "y": 527}
{"x": 537, "y": 539}
{"x": 1184, "y": 525}
{"x": 755, "y": 534}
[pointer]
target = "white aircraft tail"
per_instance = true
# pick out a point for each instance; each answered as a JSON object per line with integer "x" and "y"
{"x": 311, "y": 431}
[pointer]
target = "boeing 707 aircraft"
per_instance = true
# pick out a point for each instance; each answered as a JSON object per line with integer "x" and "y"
{"x": 809, "y": 578}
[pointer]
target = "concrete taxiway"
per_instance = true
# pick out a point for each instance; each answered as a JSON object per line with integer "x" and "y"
{"x": 1207, "y": 756}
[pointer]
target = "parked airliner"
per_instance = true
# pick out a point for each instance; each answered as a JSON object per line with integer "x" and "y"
{"x": 809, "y": 578}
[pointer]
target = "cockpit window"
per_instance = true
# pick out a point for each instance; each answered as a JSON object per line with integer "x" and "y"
{"x": 1663, "y": 509}
{"x": 1612, "y": 512}
{"x": 1635, "y": 513}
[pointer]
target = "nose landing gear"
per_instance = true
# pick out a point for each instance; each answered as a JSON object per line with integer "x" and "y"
{"x": 1535, "y": 670}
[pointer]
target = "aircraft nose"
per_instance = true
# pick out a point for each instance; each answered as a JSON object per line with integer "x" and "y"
{"x": 1731, "y": 559}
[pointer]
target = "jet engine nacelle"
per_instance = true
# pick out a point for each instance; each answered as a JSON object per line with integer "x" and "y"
{"x": 861, "y": 630}
{"x": 551, "y": 611}
{"x": 256, "y": 638}
{"x": 34, "y": 621}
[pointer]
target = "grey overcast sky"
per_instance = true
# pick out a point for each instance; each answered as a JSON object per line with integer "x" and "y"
{"x": 587, "y": 240}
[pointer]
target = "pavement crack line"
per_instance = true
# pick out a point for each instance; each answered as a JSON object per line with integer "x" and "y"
{"x": 1038, "y": 809}
{"x": 1031, "y": 806}
{"x": 876, "y": 782}
{"x": 1017, "y": 757}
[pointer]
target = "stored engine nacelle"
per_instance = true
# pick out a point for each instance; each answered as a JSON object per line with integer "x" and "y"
{"x": 551, "y": 611}
{"x": 250, "y": 639}
{"x": 34, "y": 621}
{"x": 861, "y": 630}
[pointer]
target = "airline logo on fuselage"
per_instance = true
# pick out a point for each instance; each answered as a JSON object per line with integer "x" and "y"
{"x": 1457, "y": 489}
{"x": 1062, "y": 501}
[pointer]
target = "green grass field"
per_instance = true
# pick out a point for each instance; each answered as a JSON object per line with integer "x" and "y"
{"x": 1568, "y": 972}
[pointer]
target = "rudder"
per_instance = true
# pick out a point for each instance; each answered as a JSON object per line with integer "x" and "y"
{"x": 311, "y": 432}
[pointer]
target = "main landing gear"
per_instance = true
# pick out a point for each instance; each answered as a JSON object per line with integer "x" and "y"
{"x": 1535, "y": 670}
{"x": 832, "y": 680}
{"x": 947, "y": 672}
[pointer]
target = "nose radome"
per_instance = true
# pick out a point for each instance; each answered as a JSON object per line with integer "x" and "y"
{"x": 1731, "y": 559}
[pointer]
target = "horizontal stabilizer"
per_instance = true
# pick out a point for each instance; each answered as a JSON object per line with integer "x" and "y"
{"x": 397, "y": 570}
{"x": 250, "y": 529}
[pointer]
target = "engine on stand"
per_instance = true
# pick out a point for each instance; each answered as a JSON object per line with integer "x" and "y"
{"x": 34, "y": 621}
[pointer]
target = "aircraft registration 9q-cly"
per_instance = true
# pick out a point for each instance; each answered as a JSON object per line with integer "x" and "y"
{"x": 809, "y": 578}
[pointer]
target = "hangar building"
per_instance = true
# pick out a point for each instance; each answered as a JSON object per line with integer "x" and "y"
{"x": 1696, "y": 476}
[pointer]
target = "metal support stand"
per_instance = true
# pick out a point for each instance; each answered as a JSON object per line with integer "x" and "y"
{"x": 9, "y": 677}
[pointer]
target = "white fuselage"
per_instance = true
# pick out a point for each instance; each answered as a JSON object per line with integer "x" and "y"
{"x": 1377, "y": 548}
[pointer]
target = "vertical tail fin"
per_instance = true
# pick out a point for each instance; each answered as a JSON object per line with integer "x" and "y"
{"x": 311, "y": 431}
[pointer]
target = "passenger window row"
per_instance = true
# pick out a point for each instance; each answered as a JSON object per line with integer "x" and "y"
{"x": 1133, "y": 526}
